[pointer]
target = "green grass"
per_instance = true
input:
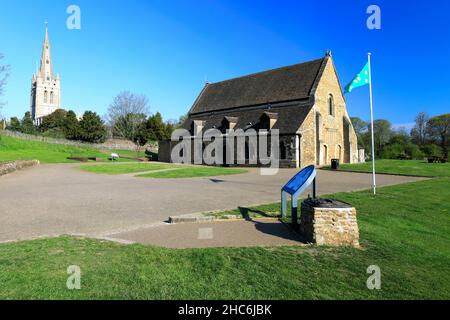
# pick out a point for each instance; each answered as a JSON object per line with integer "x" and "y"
{"x": 177, "y": 171}
{"x": 405, "y": 230}
{"x": 193, "y": 172}
{"x": 19, "y": 149}
{"x": 406, "y": 167}
{"x": 128, "y": 153}
{"x": 119, "y": 168}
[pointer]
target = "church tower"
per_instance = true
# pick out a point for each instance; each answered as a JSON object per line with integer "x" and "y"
{"x": 45, "y": 87}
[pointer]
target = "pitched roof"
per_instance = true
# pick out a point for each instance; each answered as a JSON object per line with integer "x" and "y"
{"x": 289, "y": 118}
{"x": 278, "y": 85}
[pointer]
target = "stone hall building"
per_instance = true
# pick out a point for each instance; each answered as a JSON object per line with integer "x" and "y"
{"x": 45, "y": 86}
{"x": 305, "y": 102}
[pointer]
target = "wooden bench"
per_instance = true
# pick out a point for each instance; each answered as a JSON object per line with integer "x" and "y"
{"x": 437, "y": 160}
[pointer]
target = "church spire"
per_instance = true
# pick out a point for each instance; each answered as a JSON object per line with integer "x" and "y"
{"x": 46, "y": 69}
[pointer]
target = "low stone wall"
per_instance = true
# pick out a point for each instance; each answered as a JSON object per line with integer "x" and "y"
{"x": 110, "y": 144}
{"x": 11, "y": 166}
{"x": 329, "y": 226}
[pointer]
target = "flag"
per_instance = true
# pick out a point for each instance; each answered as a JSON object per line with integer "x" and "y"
{"x": 361, "y": 79}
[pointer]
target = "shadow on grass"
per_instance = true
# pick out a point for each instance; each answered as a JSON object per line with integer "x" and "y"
{"x": 282, "y": 229}
{"x": 249, "y": 213}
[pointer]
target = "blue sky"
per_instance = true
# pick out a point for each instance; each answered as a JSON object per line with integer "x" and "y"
{"x": 166, "y": 49}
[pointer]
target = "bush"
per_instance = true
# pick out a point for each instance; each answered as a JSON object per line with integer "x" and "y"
{"x": 392, "y": 151}
{"x": 432, "y": 150}
{"x": 414, "y": 151}
{"x": 54, "y": 133}
{"x": 92, "y": 128}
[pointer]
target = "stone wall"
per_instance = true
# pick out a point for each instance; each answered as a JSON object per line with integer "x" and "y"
{"x": 287, "y": 154}
{"x": 11, "y": 166}
{"x": 329, "y": 226}
{"x": 328, "y": 136}
{"x": 110, "y": 144}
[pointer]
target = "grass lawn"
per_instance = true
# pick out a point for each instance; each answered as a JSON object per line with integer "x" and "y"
{"x": 193, "y": 172}
{"x": 19, "y": 149}
{"x": 128, "y": 153}
{"x": 119, "y": 168}
{"x": 407, "y": 167}
{"x": 405, "y": 230}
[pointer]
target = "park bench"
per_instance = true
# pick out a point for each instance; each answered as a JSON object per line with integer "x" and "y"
{"x": 435, "y": 159}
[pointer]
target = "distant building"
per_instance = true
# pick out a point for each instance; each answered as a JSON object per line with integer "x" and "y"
{"x": 45, "y": 87}
{"x": 304, "y": 102}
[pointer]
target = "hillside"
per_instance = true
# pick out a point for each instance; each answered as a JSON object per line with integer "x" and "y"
{"x": 17, "y": 149}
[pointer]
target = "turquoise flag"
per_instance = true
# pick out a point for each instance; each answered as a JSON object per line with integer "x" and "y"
{"x": 360, "y": 80}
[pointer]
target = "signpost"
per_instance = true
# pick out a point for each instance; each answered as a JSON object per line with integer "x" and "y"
{"x": 295, "y": 187}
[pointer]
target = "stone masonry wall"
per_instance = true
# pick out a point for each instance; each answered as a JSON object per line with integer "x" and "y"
{"x": 110, "y": 144}
{"x": 11, "y": 166}
{"x": 331, "y": 127}
{"x": 329, "y": 226}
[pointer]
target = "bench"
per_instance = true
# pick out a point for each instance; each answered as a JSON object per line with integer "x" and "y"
{"x": 435, "y": 159}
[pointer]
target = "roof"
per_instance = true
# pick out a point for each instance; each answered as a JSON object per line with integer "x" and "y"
{"x": 289, "y": 118}
{"x": 289, "y": 83}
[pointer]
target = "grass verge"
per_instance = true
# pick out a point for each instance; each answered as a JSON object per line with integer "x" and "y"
{"x": 405, "y": 230}
{"x": 193, "y": 172}
{"x": 19, "y": 149}
{"x": 419, "y": 168}
{"x": 125, "y": 168}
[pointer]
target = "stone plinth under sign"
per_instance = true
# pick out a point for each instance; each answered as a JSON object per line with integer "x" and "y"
{"x": 329, "y": 222}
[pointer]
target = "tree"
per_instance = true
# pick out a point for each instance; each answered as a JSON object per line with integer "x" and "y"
{"x": 360, "y": 127}
{"x": 170, "y": 128}
{"x": 156, "y": 127}
{"x": 126, "y": 114}
{"x": 438, "y": 129}
{"x": 4, "y": 73}
{"x": 54, "y": 120}
{"x": 181, "y": 121}
{"x": 27, "y": 124}
{"x": 92, "y": 128}
{"x": 382, "y": 133}
{"x": 400, "y": 136}
{"x": 129, "y": 125}
{"x": 71, "y": 126}
{"x": 419, "y": 132}
{"x": 14, "y": 124}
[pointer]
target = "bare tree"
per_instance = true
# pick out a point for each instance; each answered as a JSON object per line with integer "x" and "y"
{"x": 4, "y": 73}
{"x": 126, "y": 114}
{"x": 419, "y": 132}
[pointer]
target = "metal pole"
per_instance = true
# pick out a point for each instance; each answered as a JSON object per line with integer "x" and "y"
{"x": 314, "y": 189}
{"x": 371, "y": 124}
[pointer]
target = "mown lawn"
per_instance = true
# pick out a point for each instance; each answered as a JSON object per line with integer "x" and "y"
{"x": 405, "y": 230}
{"x": 19, "y": 149}
{"x": 407, "y": 167}
{"x": 193, "y": 172}
{"x": 119, "y": 168}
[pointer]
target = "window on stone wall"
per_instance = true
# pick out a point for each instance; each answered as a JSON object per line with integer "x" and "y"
{"x": 51, "y": 97}
{"x": 331, "y": 105}
{"x": 45, "y": 96}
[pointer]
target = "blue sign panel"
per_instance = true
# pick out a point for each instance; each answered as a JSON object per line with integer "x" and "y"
{"x": 296, "y": 186}
{"x": 303, "y": 178}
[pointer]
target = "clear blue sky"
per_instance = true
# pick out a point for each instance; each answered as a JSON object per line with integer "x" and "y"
{"x": 166, "y": 49}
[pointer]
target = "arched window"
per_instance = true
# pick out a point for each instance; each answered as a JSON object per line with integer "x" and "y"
{"x": 45, "y": 96}
{"x": 51, "y": 97}
{"x": 331, "y": 105}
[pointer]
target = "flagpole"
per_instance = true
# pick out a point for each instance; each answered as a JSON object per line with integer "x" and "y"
{"x": 371, "y": 124}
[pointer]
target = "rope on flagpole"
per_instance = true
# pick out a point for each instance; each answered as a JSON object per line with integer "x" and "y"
{"x": 371, "y": 124}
